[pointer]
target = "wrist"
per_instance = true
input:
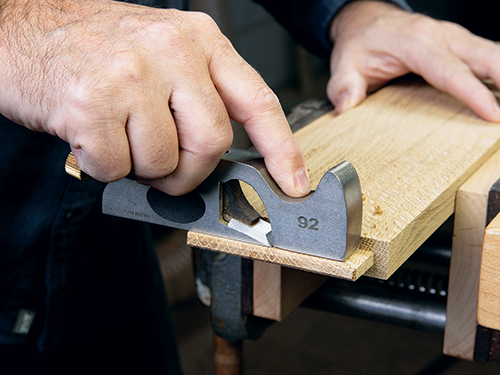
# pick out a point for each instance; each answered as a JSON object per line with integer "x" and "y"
{"x": 359, "y": 13}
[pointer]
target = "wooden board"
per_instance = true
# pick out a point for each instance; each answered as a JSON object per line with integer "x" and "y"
{"x": 488, "y": 313}
{"x": 412, "y": 147}
{"x": 280, "y": 290}
{"x": 470, "y": 220}
{"x": 351, "y": 269}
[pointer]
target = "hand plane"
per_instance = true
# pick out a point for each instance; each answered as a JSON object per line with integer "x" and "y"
{"x": 326, "y": 223}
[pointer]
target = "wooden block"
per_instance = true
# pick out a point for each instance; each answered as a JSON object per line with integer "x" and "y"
{"x": 351, "y": 269}
{"x": 280, "y": 290}
{"x": 488, "y": 313}
{"x": 267, "y": 287}
{"x": 470, "y": 220}
{"x": 412, "y": 146}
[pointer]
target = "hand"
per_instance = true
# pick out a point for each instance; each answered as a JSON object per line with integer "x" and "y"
{"x": 375, "y": 42}
{"x": 139, "y": 89}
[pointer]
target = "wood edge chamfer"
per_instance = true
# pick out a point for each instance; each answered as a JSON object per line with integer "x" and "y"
{"x": 351, "y": 269}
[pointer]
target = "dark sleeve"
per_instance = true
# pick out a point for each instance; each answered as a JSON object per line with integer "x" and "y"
{"x": 308, "y": 21}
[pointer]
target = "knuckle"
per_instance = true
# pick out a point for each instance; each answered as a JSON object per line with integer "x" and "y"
{"x": 264, "y": 99}
{"x": 110, "y": 170}
{"x": 422, "y": 31}
{"x": 218, "y": 143}
{"x": 78, "y": 99}
{"x": 161, "y": 36}
{"x": 289, "y": 147}
{"x": 179, "y": 46}
{"x": 214, "y": 144}
{"x": 171, "y": 36}
{"x": 215, "y": 138}
{"x": 226, "y": 140}
{"x": 158, "y": 164}
{"x": 421, "y": 25}
{"x": 453, "y": 28}
{"x": 207, "y": 30}
{"x": 204, "y": 21}
{"x": 111, "y": 176}
{"x": 450, "y": 76}
{"x": 124, "y": 66}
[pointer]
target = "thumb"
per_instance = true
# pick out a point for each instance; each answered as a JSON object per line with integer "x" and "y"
{"x": 346, "y": 88}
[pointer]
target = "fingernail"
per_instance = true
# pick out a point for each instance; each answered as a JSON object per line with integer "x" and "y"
{"x": 496, "y": 110}
{"x": 302, "y": 182}
{"x": 343, "y": 103}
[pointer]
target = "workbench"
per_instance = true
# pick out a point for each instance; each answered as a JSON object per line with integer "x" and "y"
{"x": 422, "y": 156}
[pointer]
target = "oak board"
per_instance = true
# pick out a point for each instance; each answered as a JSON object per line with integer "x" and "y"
{"x": 468, "y": 233}
{"x": 278, "y": 291}
{"x": 412, "y": 147}
{"x": 351, "y": 269}
{"x": 488, "y": 313}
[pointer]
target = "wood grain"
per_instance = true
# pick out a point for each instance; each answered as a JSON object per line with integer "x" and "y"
{"x": 351, "y": 269}
{"x": 412, "y": 146}
{"x": 267, "y": 290}
{"x": 469, "y": 225}
{"x": 488, "y": 313}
